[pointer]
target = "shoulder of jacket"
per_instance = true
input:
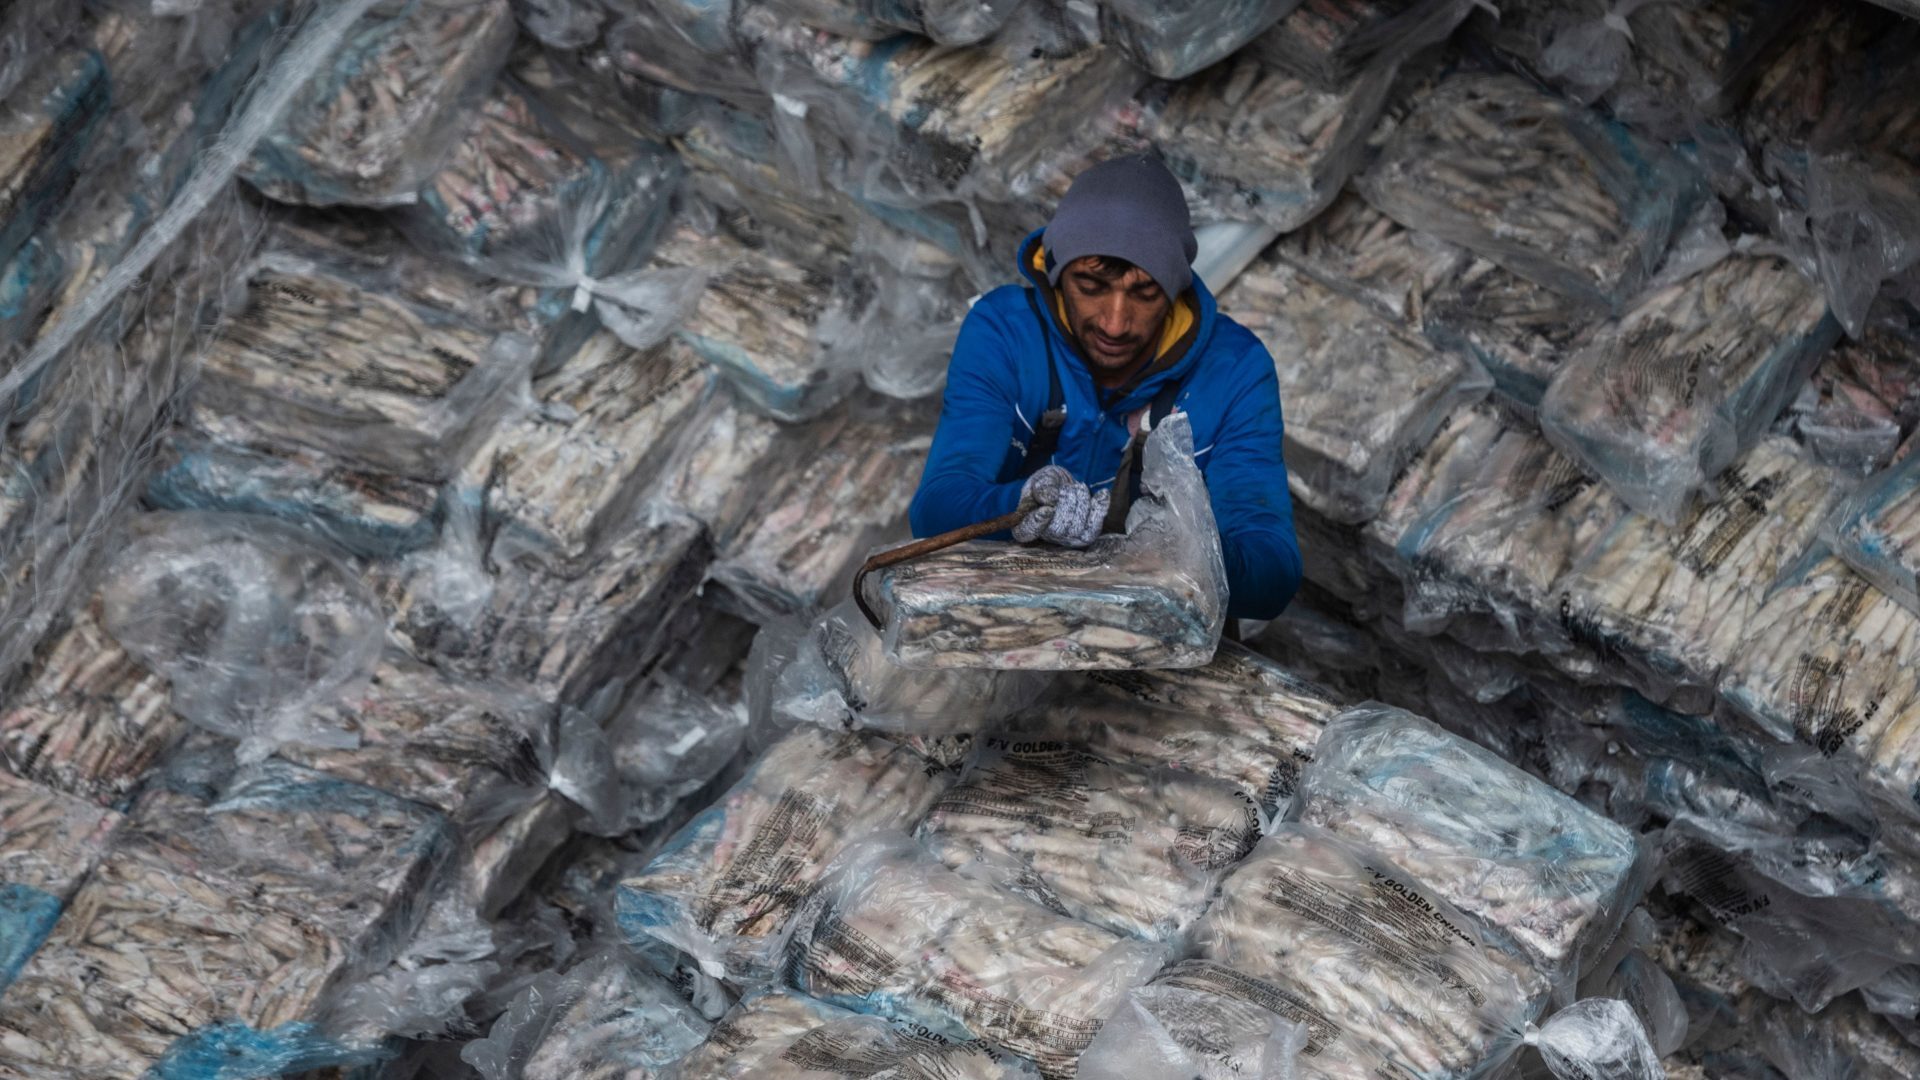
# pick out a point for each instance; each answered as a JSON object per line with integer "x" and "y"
{"x": 1004, "y": 301}
{"x": 1239, "y": 349}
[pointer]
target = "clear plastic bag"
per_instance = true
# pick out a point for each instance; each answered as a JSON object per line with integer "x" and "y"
{"x": 1364, "y": 394}
{"x": 664, "y": 744}
{"x": 1823, "y": 664}
{"x": 555, "y": 477}
{"x": 725, "y": 460}
{"x": 1240, "y": 719}
{"x": 949, "y": 22}
{"x": 779, "y": 1035}
{"x": 254, "y": 624}
{"x": 1542, "y": 871}
{"x": 1843, "y": 1040}
{"x": 1663, "y": 399}
{"x": 1133, "y": 850}
{"x": 1549, "y": 191}
{"x": 836, "y": 488}
{"x": 1327, "y": 42}
{"x": 1670, "y": 606}
{"x": 1152, "y": 597}
{"x": 51, "y": 843}
{"x": 1359, "y": 250}
{"x": 838, "y": 674}
{"x": 725, "y": 888}
{"x": 1483, "y": 562}
{"x": 1518, "y": 330}
{"x": 1873, "y": 533}
{"x": 1175, "y": 40}
{"x": 604, "y": 1018}
{"x": 370, "y": 129}
{"x": 1169, "y": 1032}
{"x": 1864, "y": 399}
{"x": 894, "y": 933}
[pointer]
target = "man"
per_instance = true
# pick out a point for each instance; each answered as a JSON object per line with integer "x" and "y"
{"x": 1050, "y": 383}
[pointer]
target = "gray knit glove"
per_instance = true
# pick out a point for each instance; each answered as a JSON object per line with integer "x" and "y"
{"x": 1064, "y": 511}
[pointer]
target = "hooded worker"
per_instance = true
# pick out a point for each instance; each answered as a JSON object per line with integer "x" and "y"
{"x": 1050, "y": 381}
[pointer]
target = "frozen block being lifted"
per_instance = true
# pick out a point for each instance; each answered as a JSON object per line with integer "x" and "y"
{"x": 1153, "y": 597}
{"x": 1537, "y": 868}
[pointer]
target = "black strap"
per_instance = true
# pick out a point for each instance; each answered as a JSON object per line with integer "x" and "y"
{"x": 1126, "y": 486}
{"x": 1046, "y": 430}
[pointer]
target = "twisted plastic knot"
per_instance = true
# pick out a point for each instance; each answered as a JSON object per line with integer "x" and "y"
{"x": 1618, "y": 23}
{"x": 1530, "y": 1035}
{"x": 583, "y": 291}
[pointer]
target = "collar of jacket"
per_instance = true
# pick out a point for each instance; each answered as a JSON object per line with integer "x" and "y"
{"x": 1176, "y": 361}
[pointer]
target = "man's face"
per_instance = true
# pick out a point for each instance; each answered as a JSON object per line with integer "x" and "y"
{"x": 1115, "y": 310}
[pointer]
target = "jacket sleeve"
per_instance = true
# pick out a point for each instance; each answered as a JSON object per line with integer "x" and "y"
{"x": 959, "y": 485}
{"x": 1247, "y": 485}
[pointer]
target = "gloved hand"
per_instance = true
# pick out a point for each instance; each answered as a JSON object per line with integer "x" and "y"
{"x": 1064, "y": 511}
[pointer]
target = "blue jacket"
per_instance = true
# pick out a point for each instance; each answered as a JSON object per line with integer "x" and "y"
{"x": 997, "y": 388}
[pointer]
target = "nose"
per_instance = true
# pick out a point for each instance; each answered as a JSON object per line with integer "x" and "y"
{"x": 1110, "y": 317}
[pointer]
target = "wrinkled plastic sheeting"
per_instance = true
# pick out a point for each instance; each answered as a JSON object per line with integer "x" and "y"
{"x": 835, "y": 673}
{"x": 1866, "y": 229}
{"x": 1175, "y": 40}
{"x": 1137, "y": 1044}
{"x": 1552, "y": 192}
{"x": 1152, "y": 597}
{"x": 603, "y": 1016}
{"x": 370, "y": 129}
{"x": 1462, "y": 819}
{"x": 255, "y": 624}
{"x": 662, "y": 746}
{"x": 1596, "y": 1039}
{"x": 949, "y": 22}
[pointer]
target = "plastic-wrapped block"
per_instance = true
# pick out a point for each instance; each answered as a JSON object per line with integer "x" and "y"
{"x": 755, "y": 324}
{"x": 560, "y": 635}
{"x": 1442, "y": 469}
{"x": 1841, "y": 1040}
{"x": 423, "y": 377}
{"x": 1134, "y": 850}
{"x": 370, "y": 129}
{"x": 1152, "y": 597}
{"x": 498, "y": 866}
{"x": 149, "y": 952}
{"x": 1361, "y": 251}
{"x": 726, "y": 887}
{"x": 893, "y": 932}
{"x": 836, "y": 673}
{"x": 606, "y": 1018}
{"x": 780, "y": 1035}
{"x": 1874, "y": 532}
{"x": 1518, "y": 330}
{"x": 1327, "y": 42}
{"x": 63, "y": 99}
{"x": 347, "y": 856}
{"x": 1385, "y": 975}
{"x": 729, "y": 454}
{"x": 949, "y": 22}
{"x": 1670, "y": 606}
{"x": 48, "y": 843}
{"x": 1661, "y": 400}
{"x": 1241, "y": 719}
{"x": 88, "y": 719}
{"x": 664, "y": 744}
{"x": 733, "y": 162}
{"x": 553, "y": 479}
{"x": 1825, "y": 663}
{"x": 1546, "y": 189}
{"x": 842, "y": 485}
{"x": 548, "y": 190}
{"x": 1363, "y": 394}
{"x": 1253, "y": 142}
{"x": 1864, "y": 398}
{"x": 1543, "y": 872}
{"x": 422, "y": 735}
{"x": 1175, "y": 40}
{"x": 1483, "y": 562}
{"x": 371, "y": 514}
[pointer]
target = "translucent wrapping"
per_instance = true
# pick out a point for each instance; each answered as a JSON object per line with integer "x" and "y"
{"x": 555, "y": 478}
{"x": 1168, "y": 1031}
{"x": 1518, "y": 330}
{"x": 1363, "y": 393}
{"x": 48, "y": 844}
{"x": 1241, "y": 719}
{"x": 724, "y": 461}
{"x": 892, "y": 932}
{"x": 253, "y": 624}
{"x": 1824, "y": 664}
{"x": 1863, "y": 400}
{"x": 732, "y": 159}
{"x": 838, "y": 674}
{"x": 1153, "y": 597}
{"x": 1442, "y": 469}
{"x": 375, "y": 124}
{"x": 1672, "y": 606}
{"x": 949, "y": 22}
{"x": 1173, "y": 41}
{"x": 838, "y": 487}
{"x": 558, "y": 635}
{"x": 725, "y": 888}
{"x": 1357, "y": 249}
{"x": 1251, "y": 141}
{"x": 1547, "y": 190}
{"x": 1328, "y": 41}
{"x": 779, "y": 1035}
{"x": 426, "y": 373}
{"x": 371, "y": 514}
{"x": 663, "y": 745}
{"x": 1538, "y": 868}
{"x": 1874, "y": 532}
{"x": 1483, "y": 562}
{"x": 1661, "y": 400}
{"x": 606, "y": 1018}
{"x": 88, "y": 719}
{"x": 1133, "y": 850}
{"x": 1843, "y": 1040}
